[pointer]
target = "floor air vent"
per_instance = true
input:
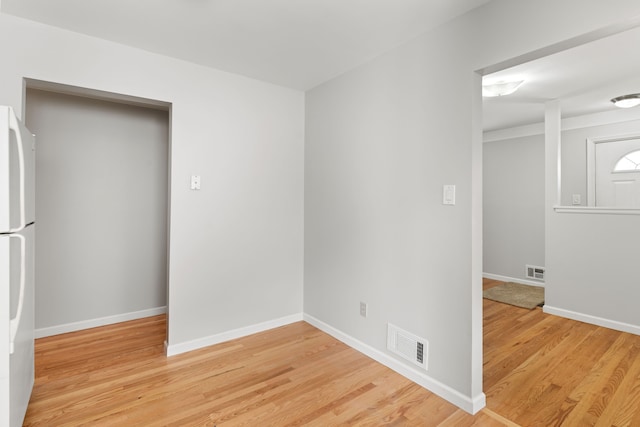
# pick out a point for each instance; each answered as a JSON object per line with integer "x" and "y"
{"x": 407, "y": 345}
{"x": 536, "y": 273}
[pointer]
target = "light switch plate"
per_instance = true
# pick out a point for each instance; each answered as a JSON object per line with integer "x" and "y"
{"x": 449, "y": 195}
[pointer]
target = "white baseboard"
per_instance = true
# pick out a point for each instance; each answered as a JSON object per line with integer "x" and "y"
{"x": 512, "y": 279}
{"x": 94, "y": 323}
{"x": 174, "y": 349}
{"x": 598, "y": 321}
{"x": 471, "y": 405}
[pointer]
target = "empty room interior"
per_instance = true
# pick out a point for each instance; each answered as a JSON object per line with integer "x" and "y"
{"x": 296, "y": 213}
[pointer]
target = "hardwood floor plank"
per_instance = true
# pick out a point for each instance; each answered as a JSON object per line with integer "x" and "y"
{"x": 522, "y": 389}
{"x": 503, "y": 356}
{"x": 592, "y": 388}
{"x": 388, "y": 409}
{"x": 617, "y": 389}
{"x": 462, "y": 419}
{"x": 582, "y": 360}
{"x": 619, "y": 410}
{"x": 367, "y": 404}
{"x": 297, "y": 399}
{"x": 438, "y": 410}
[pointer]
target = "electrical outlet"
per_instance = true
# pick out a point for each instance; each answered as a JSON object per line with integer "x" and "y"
{"x": 363, "y": 309}
{"x": 195, "y": 182}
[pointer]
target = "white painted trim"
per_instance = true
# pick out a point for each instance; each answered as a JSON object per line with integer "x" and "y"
{"x": 617, "y": 115}
{"x": 591, "y": 173}
{"x": 570, "y": 123}
{"x": 594, "y": 320}
{"x": 552, "y": 148}
{"x": 477, "y": 185}
{"x": 513, "y": 279}
{"x": 96, "y": 94}
{"x": 174, "y": 349}
{"x": 469, "y": 404}
{"x": 595, "y": 210}
{"x": 514, "y": 132}
{"x": 94, "y": 323}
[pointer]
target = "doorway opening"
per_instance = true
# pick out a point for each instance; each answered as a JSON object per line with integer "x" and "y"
{"x": 526, "y": 142}
{"x": 102, "y": 199}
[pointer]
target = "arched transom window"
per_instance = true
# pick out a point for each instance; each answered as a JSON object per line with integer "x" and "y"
{"x": 629, "y": 162}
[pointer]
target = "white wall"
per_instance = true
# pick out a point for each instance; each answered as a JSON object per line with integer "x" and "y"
{"x": 375, "y": 229}
{"x": 592, "y": 275}
{"x": 591, "y": 258}
{"x": 381, "y": 141}
{"x": 101, "y": 199}
{"x": 236, "y": 245}
{"x": 513, "y": 208}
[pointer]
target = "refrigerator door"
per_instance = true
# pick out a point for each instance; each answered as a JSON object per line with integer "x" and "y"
{"x": 17, "y": 173}
{"x": 17, "y": 323}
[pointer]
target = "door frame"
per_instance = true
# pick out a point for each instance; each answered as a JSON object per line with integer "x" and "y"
{"x": 103, "y": 95}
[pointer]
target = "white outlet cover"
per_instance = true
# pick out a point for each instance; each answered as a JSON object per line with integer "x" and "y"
{"x": 363, "y": 309}
{"x": 195, "y": 182}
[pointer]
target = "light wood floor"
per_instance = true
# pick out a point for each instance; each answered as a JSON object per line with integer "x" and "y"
{"x": 542, "y": 370}
{"x": 539, "y": 370}
{"x": 294, "y": 375}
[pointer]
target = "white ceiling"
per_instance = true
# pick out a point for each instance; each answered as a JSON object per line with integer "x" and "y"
{"x": 584, "y": 79}
{"x": 302, "y": 43}
{"x": 293, "y": 43}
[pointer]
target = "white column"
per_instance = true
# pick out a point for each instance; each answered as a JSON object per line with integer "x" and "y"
{"x": 552, "y": 169}
{"x": 478, "y": 396}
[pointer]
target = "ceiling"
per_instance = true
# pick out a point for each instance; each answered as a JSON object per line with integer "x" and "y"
{"x": 292, "y": 43}
{"x": 302, "y": 43}
{"x": 584, "y": 79}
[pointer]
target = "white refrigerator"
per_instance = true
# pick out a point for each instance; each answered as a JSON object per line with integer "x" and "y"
{"x": 17, "y": 234}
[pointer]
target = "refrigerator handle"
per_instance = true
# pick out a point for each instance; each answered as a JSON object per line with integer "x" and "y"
{"x": 15, "y": 322}
{"x": 15, "y": 127}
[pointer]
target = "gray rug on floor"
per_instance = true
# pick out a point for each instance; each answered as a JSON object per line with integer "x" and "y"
{"x": 524, "y": 296}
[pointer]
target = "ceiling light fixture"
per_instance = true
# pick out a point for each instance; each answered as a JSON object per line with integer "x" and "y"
{"x": 500, "y": 88}
{"x": 627, "y": 101}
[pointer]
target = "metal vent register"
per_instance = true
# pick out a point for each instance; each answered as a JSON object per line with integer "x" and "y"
{"x": 408, "y": 346}
{"x": 535, "y": 272}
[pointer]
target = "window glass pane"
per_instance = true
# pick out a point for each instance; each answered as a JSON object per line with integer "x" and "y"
{"x": 630, "y": 162}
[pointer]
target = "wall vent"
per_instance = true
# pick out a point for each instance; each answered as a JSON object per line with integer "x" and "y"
{"x": 408, "y": 346}
{"x": 534, "y": 272}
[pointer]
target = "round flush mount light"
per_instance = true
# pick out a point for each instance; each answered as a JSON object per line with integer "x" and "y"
{"x": 501, "y": 88}
{"x": 627, "y": 101}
